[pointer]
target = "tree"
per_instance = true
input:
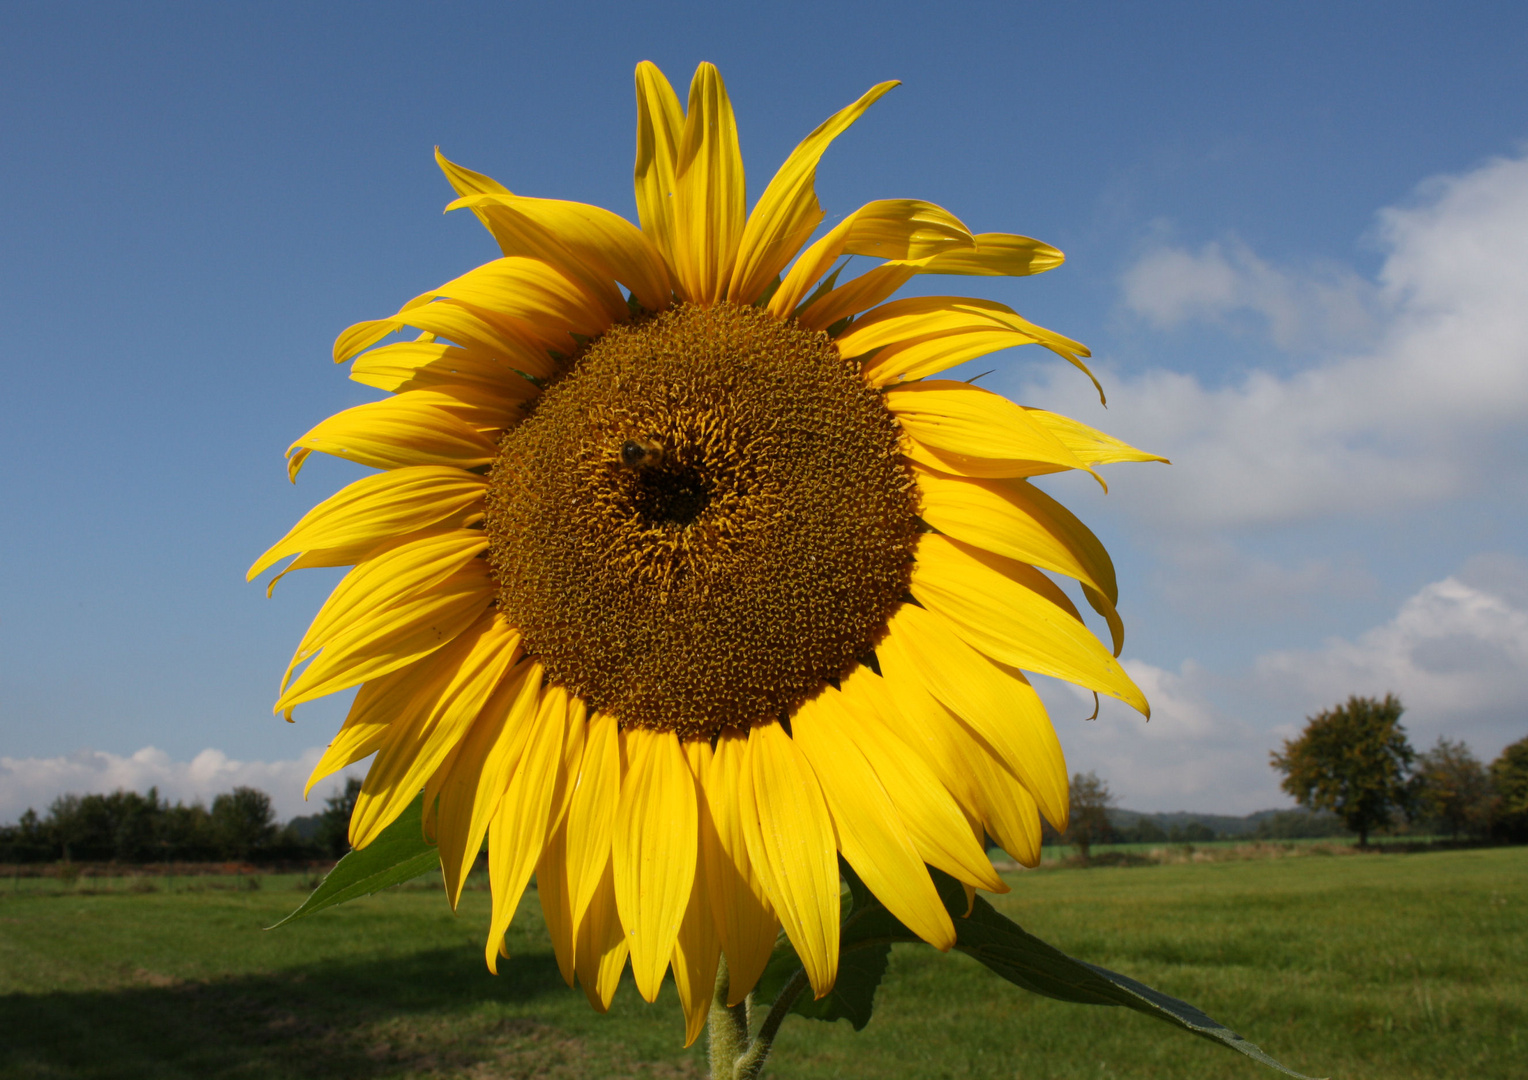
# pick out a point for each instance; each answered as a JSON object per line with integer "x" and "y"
{"x": 1452, "y": 787}
{"x": 1088, "y": 819}
{"x": 1509, "y": 790}
{"x": 242, "y": 822}
{"x": 1352, "y": 760}
{"x": 333, "y": 833}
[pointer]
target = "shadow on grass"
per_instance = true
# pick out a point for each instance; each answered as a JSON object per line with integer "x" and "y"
{"x": 429, "y": 1013}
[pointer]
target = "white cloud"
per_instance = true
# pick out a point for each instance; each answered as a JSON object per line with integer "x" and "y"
{"x": 36, "y": 782}
{"x": 1188, "y": 756}
{"x": 1170, "y": 285}
{"x": 1456, "y": 654}
{"x": 1424, "y": 413}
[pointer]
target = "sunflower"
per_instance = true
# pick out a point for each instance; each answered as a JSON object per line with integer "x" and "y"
{"x": 683, "y": 575}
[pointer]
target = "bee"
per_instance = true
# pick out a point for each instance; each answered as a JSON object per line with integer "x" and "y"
{"x": 641, "y": 453}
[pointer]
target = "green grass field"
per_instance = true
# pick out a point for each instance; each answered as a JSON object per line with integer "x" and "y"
{"x": 1390, "y": 966}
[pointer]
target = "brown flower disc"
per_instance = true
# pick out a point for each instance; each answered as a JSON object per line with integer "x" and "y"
{"x": 704, "y": 521}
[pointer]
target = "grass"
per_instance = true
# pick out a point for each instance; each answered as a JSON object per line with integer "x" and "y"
{"x": 1382, "y": 965}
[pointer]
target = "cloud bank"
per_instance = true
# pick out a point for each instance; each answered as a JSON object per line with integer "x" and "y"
{"x": 36, "y": 782}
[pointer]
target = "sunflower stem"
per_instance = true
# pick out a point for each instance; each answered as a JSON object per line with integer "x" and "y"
{"x": 751, "y": 1063}
{"x": 726, "y": 1028}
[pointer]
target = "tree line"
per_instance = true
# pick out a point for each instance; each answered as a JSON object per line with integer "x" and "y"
{"x": 1355, "y": 761}
{"x": 126, "y": 827}
{"x": 1353, "y": 771}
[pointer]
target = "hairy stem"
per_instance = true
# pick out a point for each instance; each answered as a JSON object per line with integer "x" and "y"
{"x": 726, "y": 1029}
{"x": 751, "y": 1063}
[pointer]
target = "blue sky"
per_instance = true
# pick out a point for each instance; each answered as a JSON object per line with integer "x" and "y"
{"x": 1297, "y": 241}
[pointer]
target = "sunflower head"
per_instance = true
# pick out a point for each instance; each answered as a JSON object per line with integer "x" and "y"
{"x": 682, "y": 574}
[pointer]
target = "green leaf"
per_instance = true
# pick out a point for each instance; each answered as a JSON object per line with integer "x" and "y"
{"x": 868, "y": 931}
{"x": 861, "y": 962}
{"x": 399, "y": 854}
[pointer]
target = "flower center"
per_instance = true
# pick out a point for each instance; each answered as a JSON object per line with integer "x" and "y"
{"x": 704, "y": 521}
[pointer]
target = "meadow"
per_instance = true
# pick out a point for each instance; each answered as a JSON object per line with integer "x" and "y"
{"x": 1376, "y": 965}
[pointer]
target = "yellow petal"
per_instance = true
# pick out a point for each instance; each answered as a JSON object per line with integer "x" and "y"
{"x": 523, "y": 822}
{"x": 740, "y": 908}
{"x": 788, "y": 212}
{"x": 660, "y": 120}
{"x": 419, "y": 365}
{"x": 591, "y": 815}
{"x": 372, "y": 712}
{"x": 922, "y": 649}
{"x": 995, "y": 255}
{"x": 430, "y": 729}
{"x": 471, "y": 790}
{"x": 854, "y": 296}
{"x": 524, "y": 288}
{"x": 381, "y": 508}
{"x": 789, "y": 833}
{"x": 964, "y": 419}
{"x": 887, "y": 229}
{"x": 1018, "y": 521}
{"x": 709, "y": 194}
{"x": 870, "y": 832}
{"x": 605, "y": 242}
{"x": 654, "y": 851}
{"x": 393, "y": 433}
{"x": 1006, "y": 613}
{"x": 601, "y": 949}
{"x": 556, "y": 906}
{"x": 698, "y": 947}
{"x": 520, "y": 344}
{"x": 984, "y": 787}
{"x": 1089, "y": 444}
{"x": 923, "y": 335}
{"x": 935, "y": 823}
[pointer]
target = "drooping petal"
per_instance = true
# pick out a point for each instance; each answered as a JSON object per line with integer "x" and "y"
{"x": 556, "y": 903}
{"x": 654, "y": 851}
{"x": 522, "y": 346}
{"x": 935, "y": 823}
{"x": 381, "y": 508}
{"x": 922, "y": 649}
{"x": 394, "y": 433}
{"x": 1019, "y": 521}
{"x": 376, "y": 706}
{"x": 520, "y": 828}
{"x": 740, "y": 907}
{"x": 923, "y": 335}
{"x": 660, "y": 122}
{"x": 959, "y": 418}
{"x": 591, "y": 815}
{"x": 709, "y": 193}
{"x": 1015, "y": 621}
{"x": 1090, "y": 444}
{"x": 870, "y": 832}
{"x": 698, "y": 947}
{"x": 994, "y": 255}
{"x": 390, "y": 610}
{"x": 601, "y": 949}
{"x": 789, "y": 833}
{"x": 788, "y": 212}
{"x": 478, "y": 776}
{"x": 887, "y": 228}
{"x": 425, "y": 363}
{"x": 421, "y": 739}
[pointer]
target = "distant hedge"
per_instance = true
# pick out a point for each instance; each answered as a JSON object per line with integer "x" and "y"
{"x": 126, "y": 827}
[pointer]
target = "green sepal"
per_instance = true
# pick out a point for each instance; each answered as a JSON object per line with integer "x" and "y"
{"x": 868, "y": 931}
{"x": 400, "y": 853}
